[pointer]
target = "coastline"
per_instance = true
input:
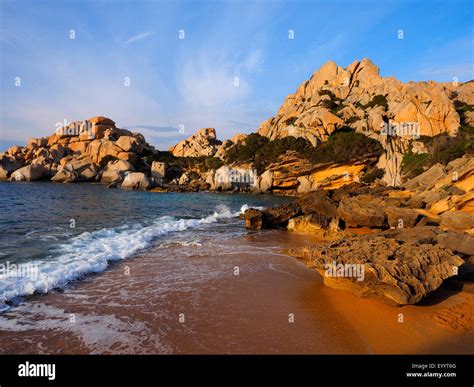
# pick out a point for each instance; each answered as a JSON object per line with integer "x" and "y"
{"x": 223, "y": 312}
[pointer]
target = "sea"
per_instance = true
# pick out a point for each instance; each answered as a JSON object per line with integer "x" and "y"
{"x": 90, "y": 270}
{"x": 53, "y": 234}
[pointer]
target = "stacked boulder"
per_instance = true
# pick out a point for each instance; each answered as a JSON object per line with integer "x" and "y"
{"x": 90, "y": 150}
{"x": 202, "y": 143}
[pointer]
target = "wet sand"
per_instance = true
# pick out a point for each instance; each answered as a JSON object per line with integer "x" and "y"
{"x": 186, "y": 298}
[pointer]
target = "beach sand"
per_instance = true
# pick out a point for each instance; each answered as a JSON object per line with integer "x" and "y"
{"x": 187, "y": 298}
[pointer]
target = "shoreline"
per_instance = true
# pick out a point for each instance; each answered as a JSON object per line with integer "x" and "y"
{"x": 248, "y": 313}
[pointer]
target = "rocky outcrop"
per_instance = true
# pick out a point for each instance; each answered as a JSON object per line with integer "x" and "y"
{"x": 311, "y": 223}
{"x": 443, "y": 189}
{"x": 253, "y": 219}
{"x": 224, "y": 148}
{"x": 334, "y": 96}
{"x": 435, "y": 199}
{"x": 457, "y": 220}
{"x": 203, "y": 143}
{"x": 292, "y": 175}
{"x": 386, "y": 109}
{"x": 393, "y": 244}
{"x": 136, "y": 180}
{"x": 90, "y": 150}
{"x": 357, "y": 212}
{"x": 265, "y": 181}
{"x": 384, "y": 266}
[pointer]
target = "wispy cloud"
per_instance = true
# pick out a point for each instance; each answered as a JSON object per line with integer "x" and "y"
{"x": 449, "y": 72}
{"x": 138, "y": 37}
{"x": 211, "y": 84}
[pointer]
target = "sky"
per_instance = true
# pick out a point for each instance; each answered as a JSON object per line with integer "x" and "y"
{"x": 168, "y": 68}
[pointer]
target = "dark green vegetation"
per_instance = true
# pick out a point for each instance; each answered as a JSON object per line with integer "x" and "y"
{"x": 441, "y": 149}
{"x": 342, "y": 146}
{"x": 414, "y": 164}
{"x": 260, "y": 151}
{"x": 333, "y": 104}
{"x": 378, "y": 100}
{"x": 177, "y": 165}
{"x": 462, "y": 108}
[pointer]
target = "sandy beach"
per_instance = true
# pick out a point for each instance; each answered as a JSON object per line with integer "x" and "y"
{"x": 186, "y": 298}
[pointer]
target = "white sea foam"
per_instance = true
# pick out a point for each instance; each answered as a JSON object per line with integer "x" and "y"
{"x": 91, "y": 251}
{"x": 246, "y": 207}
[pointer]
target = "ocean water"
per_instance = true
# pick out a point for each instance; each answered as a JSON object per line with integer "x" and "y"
{"x": 60, "y": 233}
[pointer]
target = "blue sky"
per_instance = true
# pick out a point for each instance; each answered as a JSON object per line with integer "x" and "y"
{"x": 191, "y": 81}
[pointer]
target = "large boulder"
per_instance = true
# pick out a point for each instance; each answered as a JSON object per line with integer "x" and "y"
{"x": 280, "y": 215}
{"x": 37, "y": 142}
{"x": 265, "y": 182}
{"x": 118, "y": 166}
{"x": 253, "y": 219}
{"x": 8, "y": 164}
{"x": 64, "y": 175}
{"x": 158, "y": 170}
{"x": 311, "y": 223}
{"x": 402, "y": 217}
{"x": 100, "y": 120}
{"x": 318, "y": 202}
{"x": 457, "y": 220}
{"x": 114, "y": 172}
{"x": 136, "y": 180}
{"x": 79, "y": 147}
{"x": 396, "y": 271}
{"x": 203, "y": 143}
{"x": 360, "y": 213}
{"x": 129, "y": 144}
{"x": 107, "y": 149}
{"x": 30, "y": 172}
{"x": 427, "y": 179}
{"x": 76, "y": 168}
{"x": 109, "y": 177}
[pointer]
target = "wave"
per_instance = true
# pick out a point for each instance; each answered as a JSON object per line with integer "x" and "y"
{"x": 90, "y": 252}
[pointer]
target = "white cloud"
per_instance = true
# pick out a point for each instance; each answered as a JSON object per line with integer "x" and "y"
{"x": 253, "y": 61}
{"x": 138, "y": 37}
{"x": 211, "y": 83}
